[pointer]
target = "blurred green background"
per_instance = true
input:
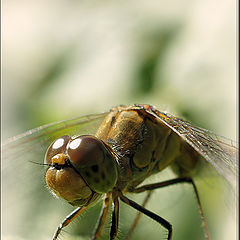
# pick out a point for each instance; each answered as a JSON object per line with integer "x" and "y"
{"x": 69, "y": 58}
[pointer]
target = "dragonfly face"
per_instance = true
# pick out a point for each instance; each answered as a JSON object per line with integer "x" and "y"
{"x": 81, "y": 169}
{"x": 130, "y": 144}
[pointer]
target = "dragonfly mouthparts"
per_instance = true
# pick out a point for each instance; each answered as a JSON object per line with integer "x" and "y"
{"x": 59, "y": 166}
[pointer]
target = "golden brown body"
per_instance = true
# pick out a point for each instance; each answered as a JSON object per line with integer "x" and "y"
{"x": 144, "y": 146}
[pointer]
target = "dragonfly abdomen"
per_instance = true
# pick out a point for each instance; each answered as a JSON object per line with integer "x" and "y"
{"x": 187, "y": 161}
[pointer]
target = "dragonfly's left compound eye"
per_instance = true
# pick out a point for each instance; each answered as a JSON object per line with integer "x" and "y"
{"x": 58, "y": 146}
{"x": 91, "y": 158}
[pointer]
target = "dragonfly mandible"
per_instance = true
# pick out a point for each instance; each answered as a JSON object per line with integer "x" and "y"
{"x": 127, "y": 145}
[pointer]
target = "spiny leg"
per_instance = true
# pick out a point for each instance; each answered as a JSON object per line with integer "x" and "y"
{"x": 102, "y": 218}
{"x": 67, "y": 220}
{"x": 172, "y": 182}
{"x": 115, "y": 217}
{"x": 150, "y": 214}
{"x": 137, "y": 218}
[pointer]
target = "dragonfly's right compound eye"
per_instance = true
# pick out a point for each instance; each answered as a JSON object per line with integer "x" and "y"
{"x": 92, "y": 159}
{"x": 58, "y": 146}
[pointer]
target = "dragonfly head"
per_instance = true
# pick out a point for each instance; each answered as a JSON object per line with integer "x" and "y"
{"x": 80, "y": 169}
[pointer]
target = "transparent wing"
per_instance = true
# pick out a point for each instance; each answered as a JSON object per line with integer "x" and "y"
{"x": 41, "y": 137}
{"x": 220, "y": 152}
{"x": 27, "y": 203}
{"x": 216, "y": 180}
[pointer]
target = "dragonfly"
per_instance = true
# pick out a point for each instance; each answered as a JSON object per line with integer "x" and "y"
{"x": 104, "y": 157}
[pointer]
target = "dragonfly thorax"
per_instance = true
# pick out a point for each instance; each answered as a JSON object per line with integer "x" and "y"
{"x": 143, "y": 145}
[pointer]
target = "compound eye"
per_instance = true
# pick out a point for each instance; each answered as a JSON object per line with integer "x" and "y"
{"x": 58, "y": 146}
{"x": 91, "y": 158}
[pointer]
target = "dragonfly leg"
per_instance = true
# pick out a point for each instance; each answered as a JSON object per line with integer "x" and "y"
{"x": 115, "y": 216}
{"x": 172, "y": 182}
{"x": 137, "y": 218}
{"x": 67, "y": 220}
{"x": 102, "y": 218}
{"x": 150, "y": 214}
